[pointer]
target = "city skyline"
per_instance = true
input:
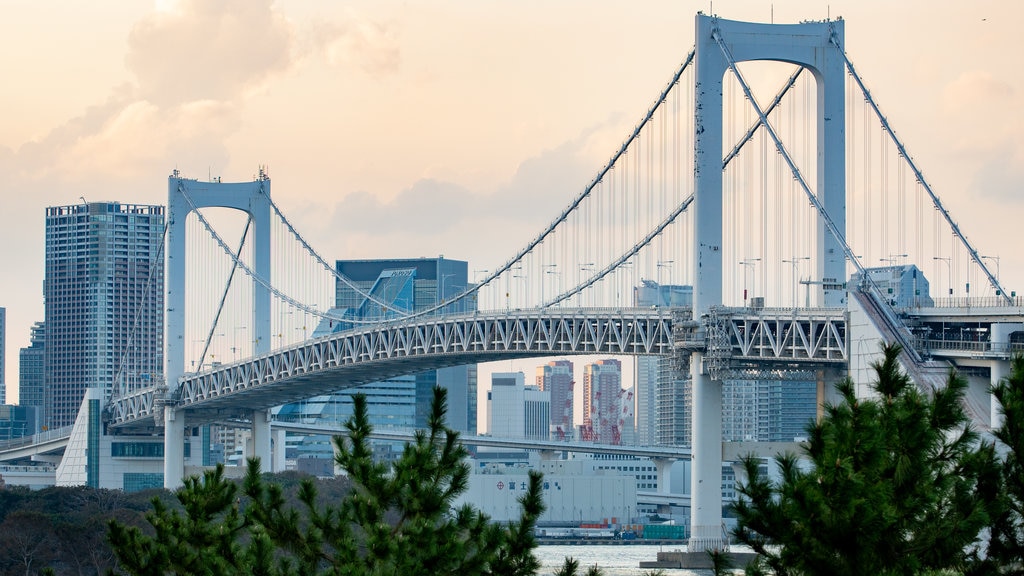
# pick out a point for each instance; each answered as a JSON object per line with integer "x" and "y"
{"x": 497, "y": 133}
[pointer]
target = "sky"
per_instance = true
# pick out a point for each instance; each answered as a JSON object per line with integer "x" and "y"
{"x": 388, "y": 124}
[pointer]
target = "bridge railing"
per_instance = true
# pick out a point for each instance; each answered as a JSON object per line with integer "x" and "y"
{"x": 978, "y": 302}
{"x": 980, "y": 347}
{"x": 40, "y": 438}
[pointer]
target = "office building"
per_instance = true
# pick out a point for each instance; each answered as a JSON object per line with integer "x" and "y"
{"x": 767, "y": 410}
{"x": 556, "y": 378}
{"x": 515, "y": 410}
{"x": 904, "y": 285}
{"x": 18, "y": 421}
{"x": 602, "y": 402}
{"x": 662, "y": 382}
{"x": 104, "y": 294}
{"x": 396, "y": 287}
{"x": 30, "y": 369}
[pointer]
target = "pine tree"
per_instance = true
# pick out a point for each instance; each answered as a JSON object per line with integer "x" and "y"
{"x": 892, "y": 485}
{"x": 397, "y": 519}
{"x": 1006, "y": 537}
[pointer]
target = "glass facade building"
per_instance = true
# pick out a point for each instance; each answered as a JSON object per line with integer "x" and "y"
{"x": 396, "y": 286}
{"x": 30, "y": 369}
{"x": 662, "y": 389}
{"x": 104, "y": 295}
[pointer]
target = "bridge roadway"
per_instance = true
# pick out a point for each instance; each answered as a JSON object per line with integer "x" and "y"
{"x": 346, "y": 359}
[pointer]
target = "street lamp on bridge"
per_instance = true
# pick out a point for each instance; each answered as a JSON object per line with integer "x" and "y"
{"x": 664, "y": 264}
{"x": 996, "y": 258}
{"x": 949, "y": 269}
{"x": 795, "y": 261}
{"x": 893, "y": 258}
{"x": 748, "y": 264}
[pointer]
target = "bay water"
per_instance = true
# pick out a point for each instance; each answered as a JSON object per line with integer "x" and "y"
{"x": 614, "y": 560}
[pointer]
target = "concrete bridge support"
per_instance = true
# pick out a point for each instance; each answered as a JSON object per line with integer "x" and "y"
{"x": 808, "y": 44}
{"x": 261, "y": 439}
{"x": 278, "y": 449}
{"x": 183, "y": 197}
{"x": 663, "y": 466}
{"x": 1000, "y": 369}
{"x": 174, "y": 448}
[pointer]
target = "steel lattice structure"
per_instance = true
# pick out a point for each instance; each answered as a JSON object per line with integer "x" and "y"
{"x": 369, "y": 354}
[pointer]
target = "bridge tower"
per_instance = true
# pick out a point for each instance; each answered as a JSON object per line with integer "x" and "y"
{"x": 808, "y": 44}
{"x": 184, "y": 196}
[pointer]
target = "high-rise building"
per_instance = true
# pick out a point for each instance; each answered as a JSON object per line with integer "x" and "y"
{"x": 662, "y": 382}
{"x": 767, "y": 410}
{"x": 3, "y": 356}
{"x": 555, "y": 377}
{"x": 104, "y": 294}
{"x": 396, "y": 286}
{"x": 602, "y": 401}
{"x": 515, "y": 410}
{"x": 30, "y": 369}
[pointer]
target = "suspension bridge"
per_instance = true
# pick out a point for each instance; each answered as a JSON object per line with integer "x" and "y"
{"x": 777, "y": 205}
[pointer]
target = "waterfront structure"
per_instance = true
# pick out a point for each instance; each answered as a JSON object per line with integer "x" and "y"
{"x": 575, "y": 491}
{"x": 602, "y": 401}
{"x": 103, "y": 291}
{"x": 662, "y": 382}
{"x": 30, "y": 369}
{"x": 515, "y": 410}
{"x": 397, "y": 286}
{"x": 556, "y": 377}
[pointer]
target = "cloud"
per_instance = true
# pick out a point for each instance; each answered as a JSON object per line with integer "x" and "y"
{"x": 371, "y": 47}
{"x": 986, "y": 117}
{"x": 434, "y": 216}
{"x": 208, "y": 50}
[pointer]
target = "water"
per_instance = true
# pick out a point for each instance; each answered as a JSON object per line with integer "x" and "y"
{"x": 613, "y": 560}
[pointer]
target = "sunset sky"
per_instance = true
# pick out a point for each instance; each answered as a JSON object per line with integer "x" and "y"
{"x": 389, "y": 124}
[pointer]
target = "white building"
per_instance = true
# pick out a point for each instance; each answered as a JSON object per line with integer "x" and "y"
{"x": 515, "y": 410}
{"x": 575, "y": 491}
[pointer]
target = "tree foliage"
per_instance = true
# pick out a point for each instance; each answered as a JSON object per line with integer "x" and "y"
{"x": 894, "y": 485}
{"x": 397, "y": 519}
{"x": 1006, "y": 536}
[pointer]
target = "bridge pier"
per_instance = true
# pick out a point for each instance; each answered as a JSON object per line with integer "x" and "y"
{"x": 1000, "y": 369}
{"x": 706, "y": 463}
{"x": 278, "y": 449}
{"x": 664, "y": 470}
{"x": 174, "y": 448}
{"x": 261, "y": 439}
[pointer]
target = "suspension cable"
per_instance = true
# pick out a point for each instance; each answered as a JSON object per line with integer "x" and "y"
{"x": 252, "y": 274}
{"x": 345, "y": 279}
{"x": 866, "y": 280}
{"x": 624, "y": 257}
{"x": 224, "y": 295}
{"x": 919, "y": 175}
{"x": 757, "y": 123}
